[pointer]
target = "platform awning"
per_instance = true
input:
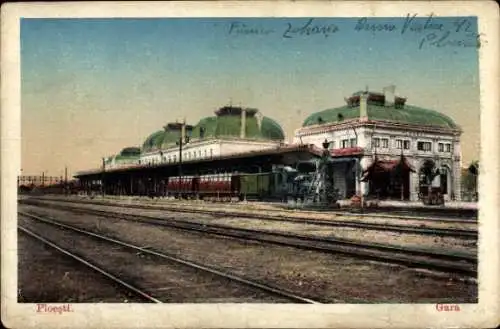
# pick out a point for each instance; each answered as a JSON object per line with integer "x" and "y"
{"x": 387, "y": 166}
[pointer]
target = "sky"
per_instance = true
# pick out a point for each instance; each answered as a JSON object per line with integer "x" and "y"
{"x": 90, "y": 87}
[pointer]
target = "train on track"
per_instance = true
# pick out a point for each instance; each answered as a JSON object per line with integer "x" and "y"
{"x": 281, "y": 183}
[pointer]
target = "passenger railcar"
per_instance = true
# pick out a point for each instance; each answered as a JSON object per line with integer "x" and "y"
{"x": 277, "y": 184}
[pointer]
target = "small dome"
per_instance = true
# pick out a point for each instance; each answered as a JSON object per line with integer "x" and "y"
{"x": 227, "y": 123}
{"x": 127, "y": 155}
{"x": 398, "y": 112}
{"x": 154, "y": 141}
{"x": 131, "y": 151}
{"x": 165, "y": 138}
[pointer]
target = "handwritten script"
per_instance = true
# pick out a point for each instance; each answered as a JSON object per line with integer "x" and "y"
{"x": 289, "y": 30}
{"x": 428, "y": 31}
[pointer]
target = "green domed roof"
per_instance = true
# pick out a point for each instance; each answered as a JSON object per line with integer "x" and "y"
{"x": 126, "y": 155}
{"x": 165, "y": 138}
{"x": 227, "y": 123}
{"x": 153, "y": 141}
{"x": 376, "y": 110}
{"x": 131, "y": 151}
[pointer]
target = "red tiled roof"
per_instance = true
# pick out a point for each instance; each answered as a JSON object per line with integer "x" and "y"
{"x": 282, "y": 149}
{"x": 346, "y": 151}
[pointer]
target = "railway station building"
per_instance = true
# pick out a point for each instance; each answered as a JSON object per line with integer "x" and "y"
{"x": 384, "y": 136}
{"x": 379, "y": 146}
{"x": 234, "y": 139}
{"x": 232, "y": 130}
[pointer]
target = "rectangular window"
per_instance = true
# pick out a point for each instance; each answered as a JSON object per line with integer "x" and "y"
{"x": 332, "y": 145}
{"x": 353, "y": 142}
{"x": 448, "y": 147}
{"x": 376, "y": 142}
{"x": 424, "y": 146}
{"x": 399, "y": 143}
{"x": 440, "y": 147}
{"x": 211, "y": 153}
{"x": 345, "y": 143}
{"x": 406, "y": 145}
{"x": 385, "y": 143}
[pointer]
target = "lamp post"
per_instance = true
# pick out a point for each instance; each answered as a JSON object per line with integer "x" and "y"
{"x": 358, "y": 172}
{"x": 326, "y": 177}
{"x": 183, "y": 139}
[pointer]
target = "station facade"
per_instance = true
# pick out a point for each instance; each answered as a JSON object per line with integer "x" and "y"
{"x": 389, "y": 132}
{"x": 372, "y": 133}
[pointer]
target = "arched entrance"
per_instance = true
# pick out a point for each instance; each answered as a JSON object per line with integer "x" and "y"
{"x": 434, "y": 182}
{"x": 427, "y": 175}
{"x": 445, "y": 179}
{"x": 389, "y": 179}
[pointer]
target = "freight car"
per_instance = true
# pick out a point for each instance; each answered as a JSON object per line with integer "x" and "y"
{"x": 277, "y": 184}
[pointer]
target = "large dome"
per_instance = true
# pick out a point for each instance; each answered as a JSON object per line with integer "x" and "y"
{"x": 228, "y": 123}
{"x": 377, "y": 110}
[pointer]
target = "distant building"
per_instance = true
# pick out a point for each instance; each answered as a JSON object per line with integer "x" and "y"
{"x": 381, "y": 126}
{"x": 38, "y": 180}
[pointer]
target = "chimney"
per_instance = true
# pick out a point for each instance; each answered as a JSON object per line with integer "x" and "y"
{"x": 259, "y": 118}
{"x": 389, "y": 96}
{"x": 363, "y": 106}
{"x": 243, "y": 122}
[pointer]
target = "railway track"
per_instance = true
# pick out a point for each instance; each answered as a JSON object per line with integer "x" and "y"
{"x": 457, "y": 233}
{"x": 129, "y": 287}
{"x": 250, "y": 287}
{"x": 427, "y": 215}
{"x": 459, "y": 263}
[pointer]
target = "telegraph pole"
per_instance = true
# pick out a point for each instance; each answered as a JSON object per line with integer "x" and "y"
{"x": 102, "y": 176}
{"x": 66, "y": 180}
{"x": 182, "y": 139}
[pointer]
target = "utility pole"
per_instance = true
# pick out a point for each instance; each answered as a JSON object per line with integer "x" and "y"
{"x": 183, "y": 139}
{"x": 66, "y": 180}
{"x": 102, "y": 176}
